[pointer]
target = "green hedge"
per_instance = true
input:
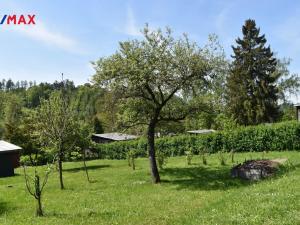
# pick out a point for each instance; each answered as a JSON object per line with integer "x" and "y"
{"x": 270, "y": 137}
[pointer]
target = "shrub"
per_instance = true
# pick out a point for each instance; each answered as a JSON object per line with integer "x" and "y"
{"x": 39, "y": 159}
{"x": 270, "y": 137}
{"x": 232, "y": 152}
{"x": 131, "y": 155}
{"x": 74, "y": 156}
{"x": 189, "y": 157}
{"x": 161, "y": 158}
{"x": 222, "y": 157}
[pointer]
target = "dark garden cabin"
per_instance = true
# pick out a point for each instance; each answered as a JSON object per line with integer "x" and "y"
{"x": 9, "y": 158}
{"x": 110, "y": 137}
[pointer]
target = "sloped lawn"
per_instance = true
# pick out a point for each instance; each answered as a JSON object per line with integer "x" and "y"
{"x": 194, "y": 194}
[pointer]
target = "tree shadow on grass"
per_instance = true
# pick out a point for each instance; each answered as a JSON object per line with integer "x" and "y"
{"x": 3, "y": 207}
{"x": 94, "y": 167}
{"x": 83, "y": 214}
{"x": 15, "y": 175}
{"x": 203, "y": 178}
{"x": 212, "y": 178}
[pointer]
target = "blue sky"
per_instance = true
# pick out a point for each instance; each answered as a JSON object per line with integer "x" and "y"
{"x": 69, "y": 34}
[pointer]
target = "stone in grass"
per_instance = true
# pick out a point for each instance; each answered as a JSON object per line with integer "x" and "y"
{"x": 256, "y": 169}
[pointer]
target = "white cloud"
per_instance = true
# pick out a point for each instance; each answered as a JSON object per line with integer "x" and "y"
{"x": 221, "y": 23}
{"x": 221, "y": 20}
{"x": 287, "y": 33}
{"x": 40, "y": 32}
{"x": 130, "y": 27}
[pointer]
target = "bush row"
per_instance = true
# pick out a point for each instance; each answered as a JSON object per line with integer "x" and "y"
{"x": 270, "y": 137}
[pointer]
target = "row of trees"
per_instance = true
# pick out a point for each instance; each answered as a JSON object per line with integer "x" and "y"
{"x": 157, "y": 85}
{"x": 7, "y": 85}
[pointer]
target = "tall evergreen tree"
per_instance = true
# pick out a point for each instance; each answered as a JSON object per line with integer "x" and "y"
{"x": 252, "y": 91}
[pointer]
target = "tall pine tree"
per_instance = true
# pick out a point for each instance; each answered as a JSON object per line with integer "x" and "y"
{"x": 251, "y": 86}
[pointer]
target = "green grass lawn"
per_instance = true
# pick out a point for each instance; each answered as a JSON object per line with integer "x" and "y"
{"x": 194, "y": 194}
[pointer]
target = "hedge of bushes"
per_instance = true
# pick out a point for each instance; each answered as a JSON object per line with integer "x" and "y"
{"x": 270, "y": 137}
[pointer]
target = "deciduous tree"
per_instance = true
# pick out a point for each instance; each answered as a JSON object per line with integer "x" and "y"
{"x": 56, "y": 124}
{"x": 151, "y": 74}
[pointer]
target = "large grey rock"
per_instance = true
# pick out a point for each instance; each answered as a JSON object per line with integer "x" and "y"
{"x": 256, "y": 169}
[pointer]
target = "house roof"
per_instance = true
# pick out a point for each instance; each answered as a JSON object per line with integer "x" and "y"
{"x": 6, "y": 146}
{"x": 116, "y": 136}
{"x": 204, "y": 131}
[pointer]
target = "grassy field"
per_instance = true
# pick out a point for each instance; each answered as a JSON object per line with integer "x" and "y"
{"x": 194, "y": 194}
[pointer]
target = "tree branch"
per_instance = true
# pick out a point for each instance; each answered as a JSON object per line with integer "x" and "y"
{"x": 161, "y": 94}
{"x": 152, "y": 94}
{"x": 170, "y": 96}
{"x": 174, "y": 119}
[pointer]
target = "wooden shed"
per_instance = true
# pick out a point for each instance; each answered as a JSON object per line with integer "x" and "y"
{"x": 111, "y": 137}
{"x": 9, "y": 158}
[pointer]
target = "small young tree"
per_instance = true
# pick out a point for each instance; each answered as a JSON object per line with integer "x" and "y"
{"x": 232, "y": 153}
{"x": 203, "y": 154}
{"x": 56, "y": 124}
{"x": 131, "y": 154}
{"x": 161, "y": 159}
{"x": 204, "y": 159}
{"x": 35, "y": 186}
{"x": 151, "y": 74}
{"x": 222, "y": 157}
{"x": 189, "y": 156}
{"x": 83, "y": 142}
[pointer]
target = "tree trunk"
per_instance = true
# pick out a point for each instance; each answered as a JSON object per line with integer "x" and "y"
{"x": 38, "y": 195}
{"x": 39, "y": 210}
{"x": 151, "y": 150}
{"x": 85, "y": 167}
{"x": 133, "y": 163}
{"x": 60, "y": 170}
